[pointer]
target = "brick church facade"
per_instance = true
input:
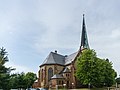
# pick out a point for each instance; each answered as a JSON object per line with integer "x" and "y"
{"x": 59, "y": 70}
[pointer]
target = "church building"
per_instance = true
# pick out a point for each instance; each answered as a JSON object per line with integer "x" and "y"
{"x": 59, "y": 70}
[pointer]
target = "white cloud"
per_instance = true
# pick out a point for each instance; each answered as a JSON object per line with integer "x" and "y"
{"x": 28, "y": 27}
{"x": 19, "y": 68}
{"x": 115, "y": 34}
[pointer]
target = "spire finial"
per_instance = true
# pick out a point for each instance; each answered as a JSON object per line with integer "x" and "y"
{"x": 83, "y": 15}
{"x": 83, "y": 20}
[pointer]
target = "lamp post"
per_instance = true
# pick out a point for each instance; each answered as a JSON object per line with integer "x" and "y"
{"x": 72, "y": 85}
{"x": 116, "y": 85}
{"x": 64, "y": 85}
{"x": 56, "y": 87}
{"x": 89, "y": 86}
{"x": 104, "y": 84}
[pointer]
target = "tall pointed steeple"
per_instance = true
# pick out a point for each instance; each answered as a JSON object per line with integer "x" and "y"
{"x": 84, "y": 39}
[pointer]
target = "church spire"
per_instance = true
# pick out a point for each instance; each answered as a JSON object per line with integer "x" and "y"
{"x": 84, "y": 39}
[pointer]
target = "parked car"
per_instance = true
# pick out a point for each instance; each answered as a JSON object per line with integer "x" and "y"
{"x": 41, "y": 89}
{"x": 36, "y": 89}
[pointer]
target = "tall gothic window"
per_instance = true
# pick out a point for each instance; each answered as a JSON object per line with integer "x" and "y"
{"x": 42, "y": 75}
{"x": 50, "y": 73}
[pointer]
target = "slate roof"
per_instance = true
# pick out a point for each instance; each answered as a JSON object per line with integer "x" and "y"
{"x": 57, "y": 76}
{"x": 70, "y": 58}
{"x": 55, "y": 58}
{"x": 66, "y": 70}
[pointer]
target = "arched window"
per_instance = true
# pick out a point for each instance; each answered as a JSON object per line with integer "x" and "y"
{"x": 42, "y": 75}
{"x": 39, "y": 74}
{"x": 50, "y": 73}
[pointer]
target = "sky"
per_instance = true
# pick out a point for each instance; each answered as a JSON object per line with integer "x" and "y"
{"x": 31, "y": 29}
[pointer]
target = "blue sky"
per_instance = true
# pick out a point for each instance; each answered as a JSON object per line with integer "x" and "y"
{"x": 30, "y": 29}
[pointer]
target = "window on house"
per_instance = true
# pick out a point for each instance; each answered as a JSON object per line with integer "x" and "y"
{"x": 50, "y": 73}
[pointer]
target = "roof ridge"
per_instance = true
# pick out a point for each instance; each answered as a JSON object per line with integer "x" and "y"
{"x": 57, "y": 54}
{"x": 53, "y": 56}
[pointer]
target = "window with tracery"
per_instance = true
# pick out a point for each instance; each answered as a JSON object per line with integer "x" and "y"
{"x": 50, "y": 73}
{"x": 42, "y": 75}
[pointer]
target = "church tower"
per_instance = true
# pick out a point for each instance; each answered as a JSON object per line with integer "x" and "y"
{"x": 59, "y": 70}
{"x": 84, "y": 39}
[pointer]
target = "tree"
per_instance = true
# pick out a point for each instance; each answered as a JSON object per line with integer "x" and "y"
{"x": 8, "y": 81}
{"x": 14, "y": 81}
{"x": 22, "y": 80}
{"x": 93, "y": 70}
{"x": 4, "y": 71}
{"x": 29, "y": 79}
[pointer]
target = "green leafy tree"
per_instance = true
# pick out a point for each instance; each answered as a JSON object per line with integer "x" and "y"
{"x": 14, "y": 81}
{"x": 29, "y": 79}
{"x": 93, "y": 70}
{"x": 22, "y": 80}
{"x": 4, "y": 71}
{"x": 17, "y": 81}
